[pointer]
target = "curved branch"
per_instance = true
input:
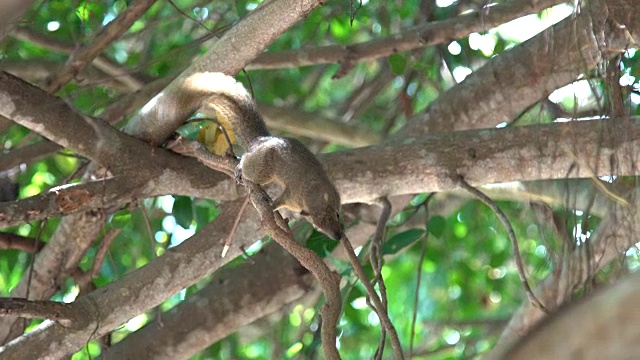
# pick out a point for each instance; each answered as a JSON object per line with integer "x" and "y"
{"x": 228, "y": 55}
{"x": 517, "y": 79}
{"x": 616, "y": 233}
{"x": 590, "y": 324}
{"x": 329, "y": 280}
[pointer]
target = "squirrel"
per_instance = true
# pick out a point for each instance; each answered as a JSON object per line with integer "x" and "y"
{"x": 268, "y": 159}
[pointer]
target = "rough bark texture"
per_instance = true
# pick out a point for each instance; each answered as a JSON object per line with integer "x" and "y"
{"x": 602, "y": 326}
{"x": 110, "y": 306}
{"x": 234, "y": 298}
{"x": 523, "y": 76}
{"x": 413, "y": 162}
{"x": 554, "y": 151}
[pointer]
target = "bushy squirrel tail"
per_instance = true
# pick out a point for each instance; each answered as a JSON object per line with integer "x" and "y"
{"x": 231, "y": 100}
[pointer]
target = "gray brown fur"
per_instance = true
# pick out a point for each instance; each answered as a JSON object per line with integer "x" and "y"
{"x": 269, "y": 159}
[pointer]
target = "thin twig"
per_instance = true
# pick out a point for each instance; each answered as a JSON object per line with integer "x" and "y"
{"x": 227, "y": 242}
{"x": 200, "y": 24}
{"x": 376, "y": 259}
{"x": 329, "y": 280}
{"x": 416, "y": 297}
{"x": 83, "y": 279}
{"x": 381, "y": 309}
{"x": 147, "y": 224}
{"x": 85, "y": 54}
{"x": 512, "y": 236}
{"x": 33, "y": 258}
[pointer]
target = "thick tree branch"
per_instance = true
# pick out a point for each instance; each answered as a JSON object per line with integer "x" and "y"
{"x": 185, "y": 176}
{"x": 541, "y": 152}
{"x": 52, "y": 118}
{"x": 513, "y": 81}
{"x": 604, "y": 326}
{"x": 214, "y": 313}
{"x": 436, "y": 32}
{"x": 230, "y": 54}
{"x": 139, "y": 290}
{"x": 555, "y": 151}
{"x": 616, "y": 233}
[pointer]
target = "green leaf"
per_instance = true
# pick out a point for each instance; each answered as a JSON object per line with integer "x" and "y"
{"x": 437, "y": 225}
{"x": 120, "y": 219}
{"x": 398, "y": 64}
{"x": 419, "y": 199}
{"x": 340, "y": 29}
{"x": 241, "y": 8}
{"x": 183, "y": 211}
{"x": 205, "y": 211}
{"x": 401, "y": 240}
{"x": 401, "y": 217}
{"x": 320, "y": 243}
{"x": 88, "y": 9}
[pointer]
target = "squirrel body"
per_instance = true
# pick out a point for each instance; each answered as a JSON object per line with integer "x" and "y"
{"x": 268, "y": 159}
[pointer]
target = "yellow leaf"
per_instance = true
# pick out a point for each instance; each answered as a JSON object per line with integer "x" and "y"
{"x": 213, "y": 138}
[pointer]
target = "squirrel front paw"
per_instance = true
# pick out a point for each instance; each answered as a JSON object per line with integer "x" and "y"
{"x": 238, "y": 175}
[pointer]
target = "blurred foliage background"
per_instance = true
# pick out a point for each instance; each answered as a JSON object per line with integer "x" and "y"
{"x": 449, "y": 272}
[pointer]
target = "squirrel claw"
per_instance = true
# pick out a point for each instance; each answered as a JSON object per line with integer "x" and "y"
{"x": 238, "y": 175}
{"x": 268, "y": 199}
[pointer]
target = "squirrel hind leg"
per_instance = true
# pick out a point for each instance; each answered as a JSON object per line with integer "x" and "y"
{"x": 282, "y": 202}
{"x": 257, "y": 167}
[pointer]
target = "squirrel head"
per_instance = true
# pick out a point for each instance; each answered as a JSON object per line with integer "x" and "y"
{"x": 325, "y": 215}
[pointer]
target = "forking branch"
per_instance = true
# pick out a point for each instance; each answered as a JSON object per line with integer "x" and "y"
{"x": 275, "y": 227}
